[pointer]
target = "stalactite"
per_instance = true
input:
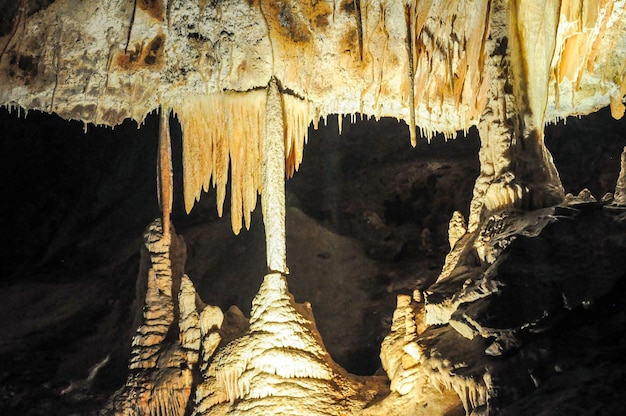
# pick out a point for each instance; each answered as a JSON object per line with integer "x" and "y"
{"x": 218, "y": 97}
{"x": 165, "y": 178}
{"x": 583, "y": 43}
{"x": 229, "y": 380}
{"x": 297, "y": 118}
{"x": 273, "y": 180}
{"x": 158, "y": 313}
{"x": 221, "y": 130}
{"x": 440, "y": 371}
{"x": 409, "y": 13}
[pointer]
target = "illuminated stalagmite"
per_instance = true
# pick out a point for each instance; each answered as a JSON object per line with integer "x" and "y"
{"x": 245, "y": 80}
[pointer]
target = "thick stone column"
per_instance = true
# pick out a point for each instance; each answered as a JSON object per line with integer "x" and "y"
{"x": 517, "y": 170}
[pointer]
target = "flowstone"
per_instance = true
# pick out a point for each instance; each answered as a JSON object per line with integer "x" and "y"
{"x": 279, "y": 364}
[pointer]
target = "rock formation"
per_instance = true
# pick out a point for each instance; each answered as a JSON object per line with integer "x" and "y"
{"x": 620, "y": 187}
{"x": 507, "y": 66}
{"x": 160, "y": 379}
{"x": 245, "y": 80}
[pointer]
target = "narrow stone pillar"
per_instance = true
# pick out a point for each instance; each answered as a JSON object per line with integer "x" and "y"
{"x": 164, "y": 170}
{"x": 273, "y": 182}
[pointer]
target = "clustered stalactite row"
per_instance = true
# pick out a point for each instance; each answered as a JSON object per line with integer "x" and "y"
{"x": 227, "y": 138}
{"x": 430, "y": 63}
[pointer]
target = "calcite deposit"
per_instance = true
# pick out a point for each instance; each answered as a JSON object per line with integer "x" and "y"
{"x": 246, "y": 79}
{"x": 508, "y": 66}
{"x": 160, "y": 378}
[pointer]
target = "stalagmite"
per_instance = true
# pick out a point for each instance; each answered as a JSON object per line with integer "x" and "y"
{"x": 620, "y": 187}
{"x": 279, "y": 364}
{"x": 160, "y": 379}
{"x": 159, "y": 311}
{"x": 456, "y": 228}
{"x": 221, "y": 131}
{"x": 399, "y": 353}
{"x": 211, "y": 320}
{"x": 189, "y": 325}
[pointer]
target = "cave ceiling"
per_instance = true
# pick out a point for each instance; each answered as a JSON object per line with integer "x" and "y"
{"x": 429, "y": 63}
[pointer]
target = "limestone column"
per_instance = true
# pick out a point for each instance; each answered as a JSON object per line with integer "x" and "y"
{"x": 516, "y": 168}
{"x": 273, "y": 181}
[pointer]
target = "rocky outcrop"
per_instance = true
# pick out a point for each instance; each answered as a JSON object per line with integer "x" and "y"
{"x": 521, "y": 276}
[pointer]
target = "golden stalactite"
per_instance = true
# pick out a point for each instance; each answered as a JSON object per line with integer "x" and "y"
{"x": 224, "y": 131}
{"x": 165, "y": 175}
{"x": 582, "y": 25}
{"x": 580, "y": 50}
{"x": 448, "y": 56}
{"x": 297, "y": 115}
{"x": 409, "y": 18}
{"x": 532, "y": 41}
{"x": 617, "y": 105}
{"x": 439, "y": 70}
